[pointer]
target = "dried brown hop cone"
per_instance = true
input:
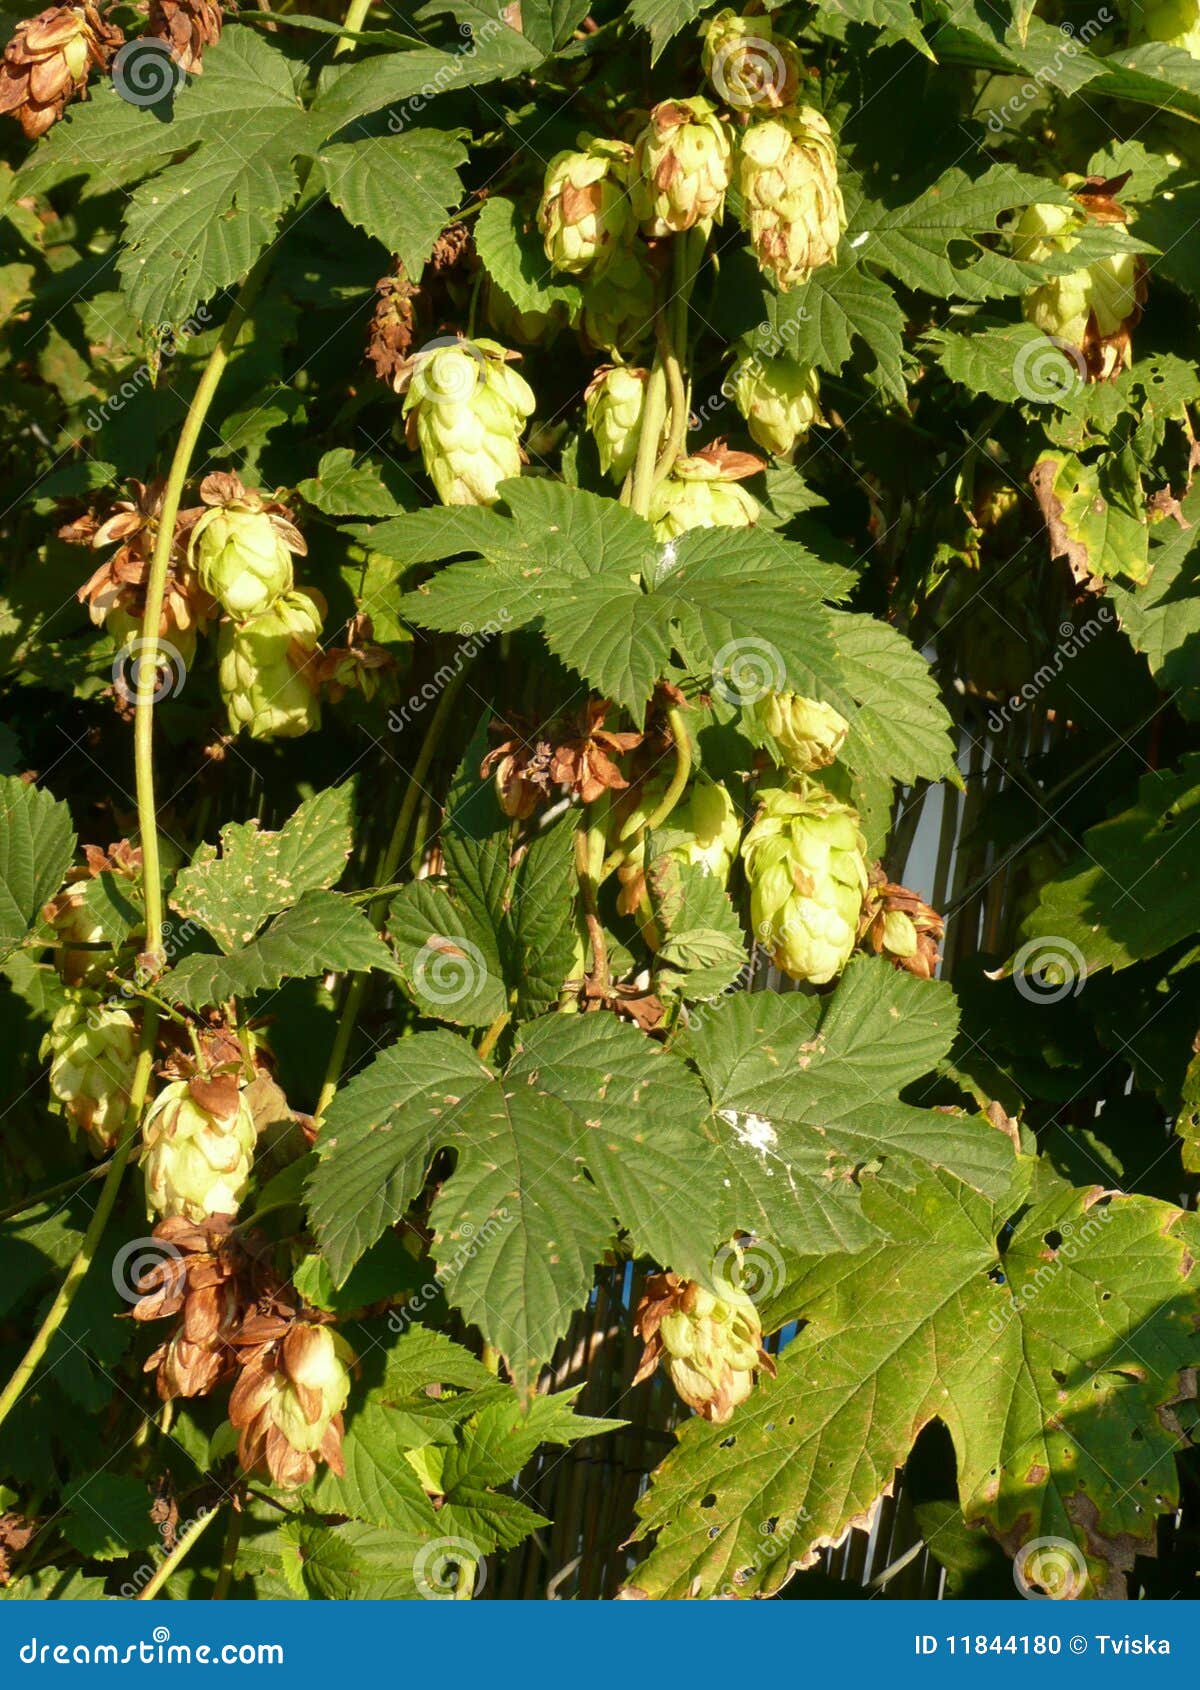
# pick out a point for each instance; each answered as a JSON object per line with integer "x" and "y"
{"x": 188, "y": 27}
{"x": 204, "y": 1277}
{"x": 48, "y": 60}
{"x": 390, "y": 337}
{"x": 288, "y": 1401}
{"x": 901, "y": 926}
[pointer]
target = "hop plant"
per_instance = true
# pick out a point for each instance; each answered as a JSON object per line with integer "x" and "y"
{"x": 47, "y": 61}
{"x": 748, "y": 64}
{"x": 288, "y": 1400}
{"x": 808, "y": 733}
{"x": 1096, "y": 308}
{"x": 682, "y": 167}
{"x": 792, "y": 204}
{"x": 585, "y": 216}
{"x": 898, "y": 924}
{"x": 779, "y": 399}
{"x": 242, "y": 548}
{"x": 710, "y": 1346}
{"x": 92, "y": 1048}
{"x": 702, "y": 492}
{"x": 466, "y": 410}
{"x": 805, "y": 859}
{"x": 200, "y": 1140}
{"x": 76, "y": 928}
{"x": 267, "y": 672}
{"x": 615, "y": 398}
{"x": 617, "y": 312}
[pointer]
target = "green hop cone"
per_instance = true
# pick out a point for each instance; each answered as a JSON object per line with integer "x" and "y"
{"x": 703, "y": 492}
{"x": 1094, "y": 308}
{"x": 92, "y": 1048}
{"x": 466, "y": 409}
{"x": 265, "y": 671}
{"x": 617, "y": 314}
{"x": 615, "y": 397}
{"x": 200, "y": 1142}
{"x": 779, "y": 399}
{"x": 748, "y": 64}
{"x": 586, "y": 217}
{"x": 710, "y": 1346}
{"x": 808, "y": 733}
{"x": 1176, "y": 23}
{"x": 242, "y": 560}
{"x": 682, "y": 167}
{"x": 792, "y": 205}
{"x": 805, "y": 859}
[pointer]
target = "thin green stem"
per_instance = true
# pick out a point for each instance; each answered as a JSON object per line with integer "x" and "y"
{"x": 356, "y": 17}
{"x": 75, "y": 1183}
{"x": 390, "y": 862}
{"x": 77, "y": 1271}
{"x": 654, "y": 412}
{"x": 229, "y": 1549}
{"x": 671, "y": 797}
{"x": 671, "y": 329}
{"x": 488, "y": 1042}
{"x": 591, "y": 913}
{"x": 143, "y": 731}
{"x": 182, "y": 1549}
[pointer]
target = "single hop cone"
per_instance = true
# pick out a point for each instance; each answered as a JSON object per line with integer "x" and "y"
{"x": 615, "y": 397}
{"x": 617, "y": 312}
{"x": 585, "y": 215}
{"x": 1097, "y": 308}
{"x": 288, "y": 1400}
{"x": 805, "y": 859}
{"x": 92, "y": 1048}
{"x": 682, "y": 167}
{"x": 47, "y": 62}
{"x": 201, "y": 1277}
{"x": 809, "y": 734}
{"x": 747, "y": 64}
{"x": 188, "y": 27}
{"x": 200, "y": 1142}
{"x": 779, "y": 399}
{"x": 792, "y": 204}
{"x": 393, "y": 321}
{"x": 901, "y": 926}
{"x": 242, "y": 548}
{"x": 703, "y": 492}
{"x": 75, "y": 926}
{"x": 269, "y": 670}
{"x": 710, "y": 1346}
{"x": 1176, "y": 23}
{"x": 466, "y": 409}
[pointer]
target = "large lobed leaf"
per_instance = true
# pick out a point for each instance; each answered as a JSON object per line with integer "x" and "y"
{"x": 1054, "y": 1357}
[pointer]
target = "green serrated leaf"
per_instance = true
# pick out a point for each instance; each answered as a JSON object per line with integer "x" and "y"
{"x": 346, "y": 485}
{"x": 399, "y": 188}
{"x": 37, "y": 844}
{"x": 258, "y": 874}
{"x": 511, "y": 248}
{"x": 321, "y": 934}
